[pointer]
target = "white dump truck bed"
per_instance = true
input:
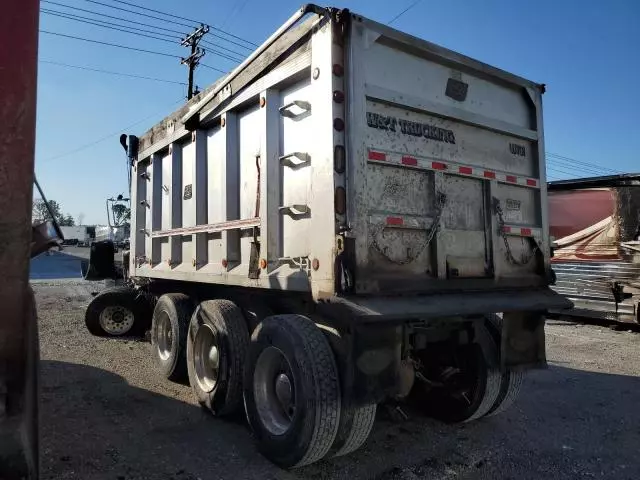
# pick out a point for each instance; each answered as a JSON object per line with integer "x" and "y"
{"x": 347, "y": 157}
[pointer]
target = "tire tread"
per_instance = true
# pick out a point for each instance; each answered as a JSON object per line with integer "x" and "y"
{"x": 494, "y": 377}
{"x": 183, "y": 308}
{"x": 317, "y": 363}
{"x": 359, "y": 430}
{"x": 511, "y": 380}
{"x": 228, "y": 320}
{"x": 234, "y": 325}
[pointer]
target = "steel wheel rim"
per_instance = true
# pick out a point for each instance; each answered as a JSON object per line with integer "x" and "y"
{"x": 206, "y": 358}
{"x": 116, "y": 320}
{"x": 274, "y": 391}
{"x": 164, "y": 336}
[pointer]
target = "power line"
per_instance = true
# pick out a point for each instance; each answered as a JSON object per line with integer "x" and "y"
{"x": 141, "y": 14}
{"x": 118, "y": 27}
{"x": 213, "y": 68}
{"x": 110, "y": 72}
{"x": 110, "y": 135}
{"x": 581, "y": 162}
{"x": 557, "y": 157}
{"x": 90, "y": 22}
{"x": 576, "y": 170}
{"x": 404, "y": 11}
{"x": 71, "y": 7}
{"x": 110, "y": 44}
{"x": 573, "y": 166}
{"x": 180, "y": 18}
{"x": 220, "y": 54}
{"x": 81, "y": 17}
{"x": 156, "y": 11}
{"x": 559, "y": 173}
{"x": 212, "y": 45}
{"x": 214, "y": 34}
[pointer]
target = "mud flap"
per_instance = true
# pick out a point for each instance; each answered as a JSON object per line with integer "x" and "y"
{"x": 523, "y": 342}
{"x": 375, "y": 363}
{"x": 101, "y": 263}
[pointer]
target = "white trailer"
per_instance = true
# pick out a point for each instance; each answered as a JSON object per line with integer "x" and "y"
{"x": 118, "y": 235}
{"x": 76, "y": 235}
{"x": 103, "y": 233}
{"x": 353, "y": 214}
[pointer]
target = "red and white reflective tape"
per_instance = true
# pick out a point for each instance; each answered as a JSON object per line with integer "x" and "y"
{"x": 522, "y": 231}
{"x": 401, "y": 221}
{"x": 377, "y": 156}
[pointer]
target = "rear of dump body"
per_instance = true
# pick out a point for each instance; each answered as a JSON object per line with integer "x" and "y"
{"x": 348, "y": 158}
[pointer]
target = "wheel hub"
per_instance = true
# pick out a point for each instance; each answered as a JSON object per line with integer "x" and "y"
{"x": 283, "y": 390}
{"x": 274, "y": 391}
{"x": 164, "y": 336}
{"x": 116, "y": 320}
{"x": 206, "y": 358}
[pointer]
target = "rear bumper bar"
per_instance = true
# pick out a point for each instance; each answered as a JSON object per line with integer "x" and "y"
{"x": 398, "y": 308}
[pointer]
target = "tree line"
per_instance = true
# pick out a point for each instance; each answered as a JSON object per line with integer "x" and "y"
{"x": 40, "y": 213}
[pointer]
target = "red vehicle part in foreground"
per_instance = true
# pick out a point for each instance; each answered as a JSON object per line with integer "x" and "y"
{"x": 18, "y": 329}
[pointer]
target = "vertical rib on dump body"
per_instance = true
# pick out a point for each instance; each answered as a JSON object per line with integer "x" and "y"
{"x": 346, "y": 157}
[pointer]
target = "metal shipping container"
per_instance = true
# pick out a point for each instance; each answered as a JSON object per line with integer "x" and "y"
{"x": 596, "y": 226}
{"x": 375, "y": 207}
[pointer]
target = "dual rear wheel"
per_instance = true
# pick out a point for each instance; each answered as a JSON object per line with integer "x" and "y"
{"x": 285, "y": 373}
{"x": 467, "y": 383}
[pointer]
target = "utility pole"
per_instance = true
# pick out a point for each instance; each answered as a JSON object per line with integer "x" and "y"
{"x": 196, "y": 54}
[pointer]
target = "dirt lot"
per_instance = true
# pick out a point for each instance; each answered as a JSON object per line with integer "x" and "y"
{"x": 106, "y": 414}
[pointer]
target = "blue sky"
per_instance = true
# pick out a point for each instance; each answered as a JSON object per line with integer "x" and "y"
{"x": 585, "y": 51}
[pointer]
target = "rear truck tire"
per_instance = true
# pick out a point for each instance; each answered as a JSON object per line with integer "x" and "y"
{"x": 169, "y": 330}
{"x": 354, "y": 428}
{"x": 292, "y": 391}
{"x": 512, "y": 380}
{"x": 118, "y": 311}
{"x": 217, "y": 345}
{"x": 465, "y": 391}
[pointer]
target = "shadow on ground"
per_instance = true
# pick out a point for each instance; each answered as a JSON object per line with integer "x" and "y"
{"x": 568, "y": 424}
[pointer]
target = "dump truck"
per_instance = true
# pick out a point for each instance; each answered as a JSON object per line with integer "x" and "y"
{"x": 352, "y": 216}
{"x": 595, "y": 226}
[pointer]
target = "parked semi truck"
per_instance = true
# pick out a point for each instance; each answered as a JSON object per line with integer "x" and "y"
{"x": 352, "y": 215}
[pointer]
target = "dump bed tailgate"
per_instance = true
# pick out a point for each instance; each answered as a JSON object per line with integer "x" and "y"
{"x": 446, "y": 178}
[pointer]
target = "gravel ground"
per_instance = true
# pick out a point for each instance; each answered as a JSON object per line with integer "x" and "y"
{"x": 106, "y": 414}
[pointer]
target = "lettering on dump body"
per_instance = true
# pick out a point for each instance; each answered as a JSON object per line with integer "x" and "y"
{"x": 407, "y": 127}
